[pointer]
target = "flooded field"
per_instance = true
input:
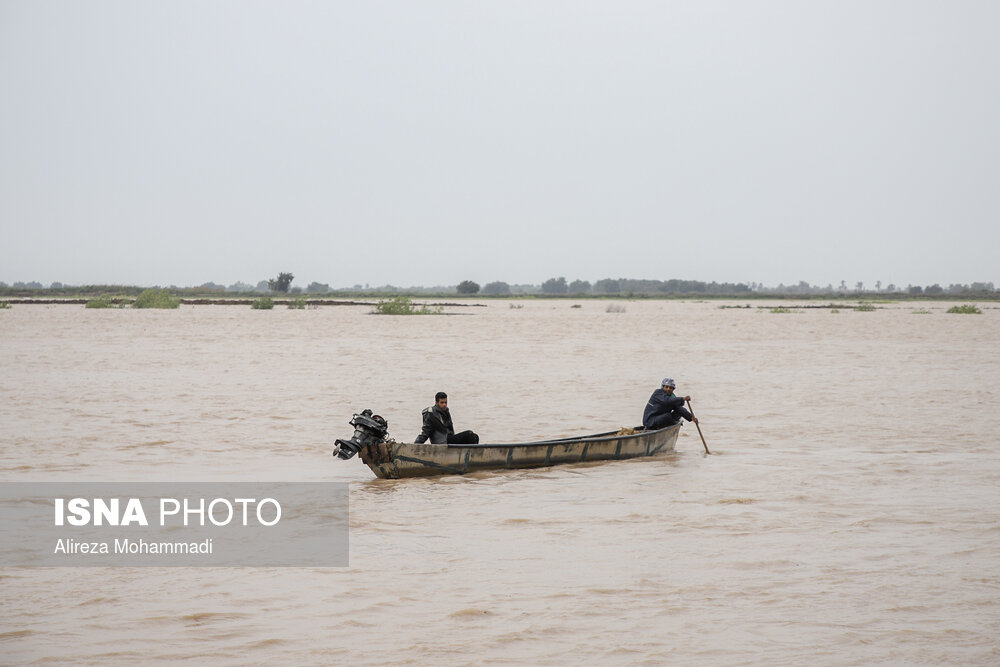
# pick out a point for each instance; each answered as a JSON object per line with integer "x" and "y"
{"x": 848, "y": 515}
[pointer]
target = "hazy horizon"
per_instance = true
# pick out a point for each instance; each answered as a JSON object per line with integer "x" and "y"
{"x": 426, "y": 144}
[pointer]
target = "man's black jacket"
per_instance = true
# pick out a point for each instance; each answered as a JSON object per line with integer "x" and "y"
{"x": 437, "y": 426}
{"x": 661, "y": 403}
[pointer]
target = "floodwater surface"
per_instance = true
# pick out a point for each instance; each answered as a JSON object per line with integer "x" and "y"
{"x": 848, "y": 515}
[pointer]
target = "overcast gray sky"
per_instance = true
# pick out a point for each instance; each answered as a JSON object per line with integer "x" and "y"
{"x": 423, "y": 143}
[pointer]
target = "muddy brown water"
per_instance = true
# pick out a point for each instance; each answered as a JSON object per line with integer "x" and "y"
{"x": 848, "y": 515}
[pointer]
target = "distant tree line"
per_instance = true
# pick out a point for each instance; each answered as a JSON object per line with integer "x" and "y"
{"x": 613, "y": 286}
{"x": 556, "y": 286}
{"x": 804, "y": 288}
{"x": 631, "y": 286}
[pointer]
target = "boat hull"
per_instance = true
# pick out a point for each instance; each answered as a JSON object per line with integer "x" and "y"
{"x": 397, "y": 460}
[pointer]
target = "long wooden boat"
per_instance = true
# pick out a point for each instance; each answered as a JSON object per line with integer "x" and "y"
{"x": 394, "y": 460}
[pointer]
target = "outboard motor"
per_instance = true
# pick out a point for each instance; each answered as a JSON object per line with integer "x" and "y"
{"x": 369, "y": 429}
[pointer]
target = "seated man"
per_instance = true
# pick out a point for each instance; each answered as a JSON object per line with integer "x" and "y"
{"x": 439, "y": 427}
{"x": 664, "y": 409}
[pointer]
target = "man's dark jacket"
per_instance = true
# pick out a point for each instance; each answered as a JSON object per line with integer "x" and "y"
{"x": 437, "y": 426}
{"x": 664, "y": 409}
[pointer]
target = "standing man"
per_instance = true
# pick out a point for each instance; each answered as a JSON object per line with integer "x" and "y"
{"x": 439, "y": 427}
{"x": 664, "y": 408}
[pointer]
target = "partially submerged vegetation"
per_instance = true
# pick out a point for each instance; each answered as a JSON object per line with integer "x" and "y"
{"x": 403, "y": 305}
{"x": 150, "y": 298}
{"x": 392, "y": 300}
{"x": 156, "y": 298}
{"x": 111, "y": 301}
{"x": 967, "y": 309}
{"x": 104, "y": 301}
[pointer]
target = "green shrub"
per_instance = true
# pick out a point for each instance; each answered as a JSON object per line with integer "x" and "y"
{"x": 263, "y": 303}
{"x": 4, "y": 305}
{"x": 967, "y": 309}
{"x": 298, "y": 303}
{"x": 865, "y": 308}
{"x": 109, "y": 301}
{"x": 156, "y": 298}
{"x": 835, "y": 310}
{"x": 103, "y": 301}
{"x": 781, "y": 309}
{"x": 402, "y": 305}
{"x": 921, "y": 312}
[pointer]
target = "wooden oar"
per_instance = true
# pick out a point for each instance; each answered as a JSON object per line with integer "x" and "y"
{"x": 691, "y": 410}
